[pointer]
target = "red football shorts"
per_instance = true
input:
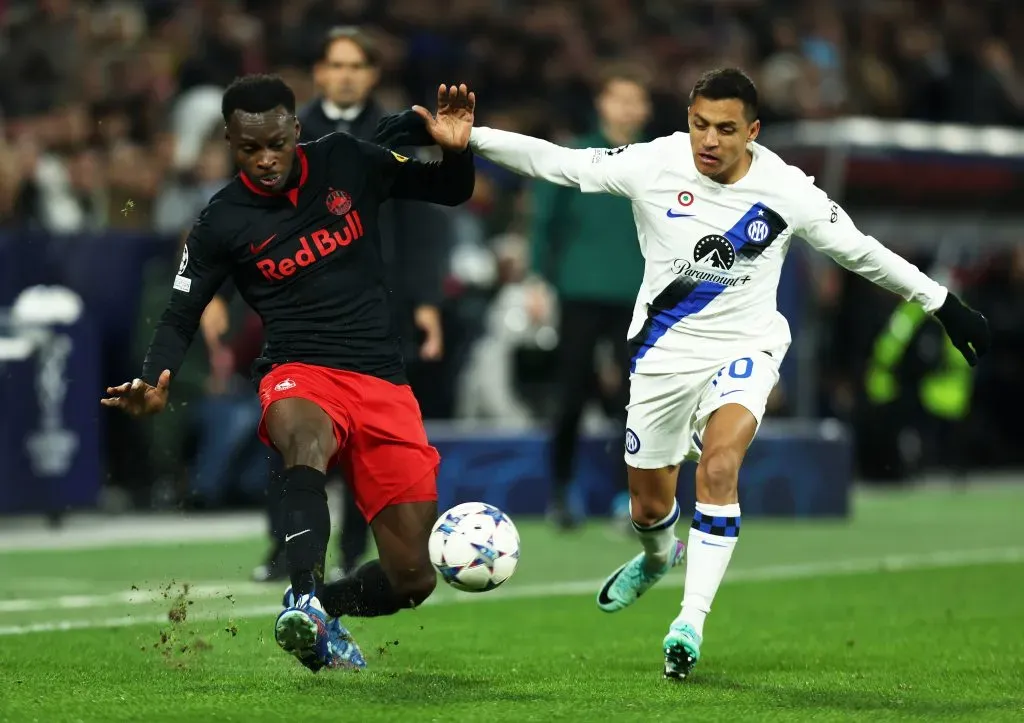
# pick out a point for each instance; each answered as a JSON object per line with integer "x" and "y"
{"x": 382, "y": 445}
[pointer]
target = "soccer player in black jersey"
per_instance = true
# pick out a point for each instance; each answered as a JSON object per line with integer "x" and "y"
{"x": 297, "y": 231}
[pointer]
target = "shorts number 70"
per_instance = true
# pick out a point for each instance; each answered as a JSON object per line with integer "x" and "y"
{"x": 740, "y": 368}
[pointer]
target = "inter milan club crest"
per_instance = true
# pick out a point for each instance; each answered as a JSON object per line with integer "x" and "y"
{"x": 338, "y": 202}
{"x": 757, "y": 231}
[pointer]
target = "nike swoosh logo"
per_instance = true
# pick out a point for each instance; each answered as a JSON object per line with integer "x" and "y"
{"x": 675, "y": 214}
{"x": 711, "y": 544}
{"x": 256, "y": 249}
{"x": 289, "y": 538}
{"x": 725, "y": 394}
{"x": 602, "y": 597}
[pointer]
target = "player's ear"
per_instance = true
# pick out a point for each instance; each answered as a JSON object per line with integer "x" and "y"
{"x": 755, "y": 128}
{"x": 298, "y": 130}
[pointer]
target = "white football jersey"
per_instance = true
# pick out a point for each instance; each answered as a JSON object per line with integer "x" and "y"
{"x": 713, "y": 252}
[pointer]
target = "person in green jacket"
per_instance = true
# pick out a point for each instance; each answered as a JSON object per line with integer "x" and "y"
{"x": 945, "y": 382}
{"x": 584, "y": 247}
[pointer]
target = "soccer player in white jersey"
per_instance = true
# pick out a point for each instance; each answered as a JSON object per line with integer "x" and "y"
{"x": 715, "y": 213}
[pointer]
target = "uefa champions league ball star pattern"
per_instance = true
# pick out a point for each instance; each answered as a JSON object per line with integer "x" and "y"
{"x": 474, "y": 546}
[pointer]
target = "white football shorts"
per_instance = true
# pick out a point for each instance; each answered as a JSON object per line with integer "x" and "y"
{"x": 667, "y": 413}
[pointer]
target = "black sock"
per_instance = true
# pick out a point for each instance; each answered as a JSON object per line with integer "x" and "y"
{"x": 367, "y": 593}
{"x": 275, "y": 491}
{"x": 306, "y": 522}
{"x": 355, "y": 534}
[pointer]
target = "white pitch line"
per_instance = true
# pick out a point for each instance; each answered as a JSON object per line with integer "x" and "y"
{"x": 889, "y": 563}
{"x": 206, "y": 591}
{"x": 131, "y": 620}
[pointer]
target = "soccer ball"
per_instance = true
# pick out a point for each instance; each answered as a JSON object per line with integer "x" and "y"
{"x": 474, "y": 546}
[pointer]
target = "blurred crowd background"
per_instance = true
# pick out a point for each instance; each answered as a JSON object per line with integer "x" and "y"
{"x": 112, "y": 136}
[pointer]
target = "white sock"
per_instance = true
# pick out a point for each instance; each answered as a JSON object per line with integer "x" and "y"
{"x": 713, "y": 536}
{"x": 657, "y": 538}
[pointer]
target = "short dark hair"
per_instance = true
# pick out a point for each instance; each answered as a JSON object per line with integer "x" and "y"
{"x": 620, "y": 70}
{"x": 725, "y": 83}
{"x": 358, "y": 37}
{"x": 256, "y": 94}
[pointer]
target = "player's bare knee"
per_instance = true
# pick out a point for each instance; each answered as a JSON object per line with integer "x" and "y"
{"x": 718, "y": 476}
{"x": 415, "y": 586}
{"x": 647, "y": 508}
{"x": 307, "y": 445}
{"x": 652, "y": 494}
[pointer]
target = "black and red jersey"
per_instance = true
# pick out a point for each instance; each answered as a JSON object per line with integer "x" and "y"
{"x": 307, "y": 260}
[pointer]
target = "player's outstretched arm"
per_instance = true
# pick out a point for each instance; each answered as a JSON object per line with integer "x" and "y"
{"x": 402, "y": 129}
{"x": 829, "y": 229}
{"x": 619, "y": 171}
{"x": 204, "y": 267}
{"x": 448, "y": 182}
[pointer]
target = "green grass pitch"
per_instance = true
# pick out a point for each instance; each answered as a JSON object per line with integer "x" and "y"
{"x": 911, "y": 610}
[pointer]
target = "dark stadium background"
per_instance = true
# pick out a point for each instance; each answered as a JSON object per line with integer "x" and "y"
{"x": 878, "y": 576}
{"x": 111, "y": 142}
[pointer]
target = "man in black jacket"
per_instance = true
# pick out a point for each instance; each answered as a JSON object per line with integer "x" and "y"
{"x": 414, "y": 243}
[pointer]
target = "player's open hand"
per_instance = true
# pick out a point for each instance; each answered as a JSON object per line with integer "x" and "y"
{"x": 451, "y": 126}
{"x": 138, "y": 398}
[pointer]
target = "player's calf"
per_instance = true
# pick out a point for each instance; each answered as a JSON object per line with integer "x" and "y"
{"x": 371, "y": 591}
{"x": 714, "y": 531}
{"x": 654, "y": 513}
{"x": 402, "y": 578}
{"x": 414, "y": 586}
{"x": 304, "y": 435}
{"x": 718, "y": 475}
{"x": 366, "y": 593}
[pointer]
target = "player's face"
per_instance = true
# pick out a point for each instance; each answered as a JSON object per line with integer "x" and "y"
{"x": 624, "y": 106}
{"x": 344, "y": 76}
{"x": 263, "y": 145}
{"x": 719, "y": 133}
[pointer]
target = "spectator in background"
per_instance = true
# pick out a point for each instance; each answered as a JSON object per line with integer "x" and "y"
{"x": 202, "y": 451}
{"x": 917, "y": 386}
{"x": 414, "y": 246}
{"x": 487, "y": 385}
{"x": 185, "y": 195}
{"x": 169, "y": 437}
{"x": 585, "y": 246}
{"x": 231, "y": 464}
{"x": 999, "y": 294}
{"x": 105, "y": 103}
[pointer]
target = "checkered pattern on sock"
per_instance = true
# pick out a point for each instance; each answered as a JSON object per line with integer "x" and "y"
{"x": 713, "y": 525}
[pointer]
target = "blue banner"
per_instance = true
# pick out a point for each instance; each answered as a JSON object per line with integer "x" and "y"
{"x": 791, "y": 470}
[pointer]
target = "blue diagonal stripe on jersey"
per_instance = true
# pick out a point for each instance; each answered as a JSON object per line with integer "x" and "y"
{"x": 685, "y": 296}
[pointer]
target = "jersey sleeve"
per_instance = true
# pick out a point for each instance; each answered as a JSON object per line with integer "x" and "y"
{"x": 204, "y": 267}
{"x": 828, "y": 228}
{"x": 621, "y": 171}
{"x": 447, "y": 182}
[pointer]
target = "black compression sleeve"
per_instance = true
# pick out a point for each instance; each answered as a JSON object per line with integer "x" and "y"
{"x": 203, "y": 269}
{"x": 448, "y": 182}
